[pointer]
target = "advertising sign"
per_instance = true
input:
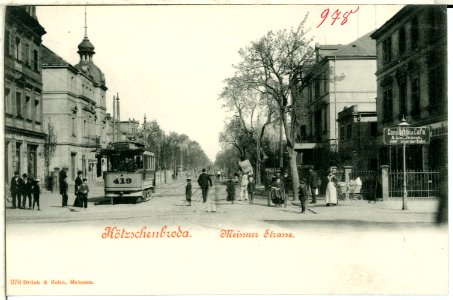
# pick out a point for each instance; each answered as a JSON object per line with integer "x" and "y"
{"x": 409, "y": 135}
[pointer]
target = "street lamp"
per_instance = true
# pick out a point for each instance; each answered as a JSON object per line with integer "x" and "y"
{"x": 403, "y": 131}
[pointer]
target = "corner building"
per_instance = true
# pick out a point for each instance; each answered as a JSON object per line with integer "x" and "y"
{"x": 24, "y": 134}
{"x": 412, "y": 83}
{"x": 75, "y": 107}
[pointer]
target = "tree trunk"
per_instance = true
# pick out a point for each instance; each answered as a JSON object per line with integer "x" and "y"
{"x": 294, "y": 173}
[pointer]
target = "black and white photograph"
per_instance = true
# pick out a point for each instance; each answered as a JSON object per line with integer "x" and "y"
{"x": 225, "y": 148}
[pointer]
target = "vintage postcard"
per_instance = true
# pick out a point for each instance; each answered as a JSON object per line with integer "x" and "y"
{"x": 225, "y": 148}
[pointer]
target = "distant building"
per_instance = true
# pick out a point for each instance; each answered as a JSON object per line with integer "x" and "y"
{"x": 412, "y": 82}
{"x": 343, "y": 76}
{"x": 129, "y": 129}
{"x": 75, "y": 106}
{"x": 358, "y": 132}
{"x": 24, "y": 130}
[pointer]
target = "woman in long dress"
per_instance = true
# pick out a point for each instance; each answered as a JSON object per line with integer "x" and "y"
{"x": 331, "y": 191}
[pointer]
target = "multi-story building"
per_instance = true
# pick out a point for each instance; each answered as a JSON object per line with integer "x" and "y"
{"x": 24, "y": 130}
{"x": 412, "y": 82}
{"x": 129, "y": 129}
{"x": 75, "y": 106}
{"x": 343, "y": 76}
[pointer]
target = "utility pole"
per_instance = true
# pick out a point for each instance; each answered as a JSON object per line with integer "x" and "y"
{"x": 114, "y": 116}
{"x": 281, "y": 141}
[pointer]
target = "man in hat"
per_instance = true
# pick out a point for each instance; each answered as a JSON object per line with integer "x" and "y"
{"x": 204, "y": 181}
{"x": 313, "y": 182}
{"x": 15, "y": 189}
{"x": 36, "y": 192}
{"x": 26, "y": 190}
{"x": 63, "y": 187}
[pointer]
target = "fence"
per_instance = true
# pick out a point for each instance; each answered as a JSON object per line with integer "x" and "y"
{"x": 418, "y": 183}
{"x": 369, "y": 182}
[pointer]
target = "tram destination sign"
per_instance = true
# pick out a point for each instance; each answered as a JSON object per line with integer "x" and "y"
{"x": 408, "y": 135}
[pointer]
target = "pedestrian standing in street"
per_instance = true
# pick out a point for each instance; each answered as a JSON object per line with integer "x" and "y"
{"x": 78, "y": 182}
{"x": 331, "y": 191}
{"x": 189, "y": 192}
{"x": 83, "y": 193}
{"x": 64, "y": 191}
{"x": 204, "y": 181}
{"x": 313, "y": 182}
{"x": 26, "y": 191}
{"x": 251, "y": 189}
{"x": 218, "y": 175}
{"x": 231, "y": 191}
{"x": 243, "y": 188}
{"x": 15, "y": 189}
{"x": 63, "y": 188}
{"x": 36, "y": 192}
{"x": 303, "y": 195}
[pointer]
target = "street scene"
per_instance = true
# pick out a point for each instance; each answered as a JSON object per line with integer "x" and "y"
{"x": 319, "y": 129}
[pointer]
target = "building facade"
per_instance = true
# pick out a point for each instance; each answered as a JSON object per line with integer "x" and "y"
{"x": 75, "y": 107}
{"x": 412, "y": 83}
{"x": 358, "y": 132}
{"x": 24, "y": 130}
{"x": 343, "y": 76}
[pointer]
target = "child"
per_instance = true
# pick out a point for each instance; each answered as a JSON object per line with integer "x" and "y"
{"x": 83, "y": 193}
{"x": 36, "y": 192}
{"x": 189, "y": 192}
{"x": 251, "y": 189}
{"x": 231, "y": 191}
{"x": 303, "y": 195}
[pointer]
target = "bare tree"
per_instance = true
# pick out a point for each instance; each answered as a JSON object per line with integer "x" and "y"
{"x": 275, "y": 65}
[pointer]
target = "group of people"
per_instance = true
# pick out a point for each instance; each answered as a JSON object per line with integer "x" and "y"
{"x": 81, "y": 189}
{"x": 246, "y": 188}
{"x": 23, "y": 188}
{"x": 313, "y": 184}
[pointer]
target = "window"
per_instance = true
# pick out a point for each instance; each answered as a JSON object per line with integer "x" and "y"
{"x": 303, "y": 132}
{"x": 7, "y": 42}
{"x": 414, "y": 33}
{"x": 26, "y": 54}
{"x": 7, "y": 101}
{"x": 387, "y": 101}
{"x": 27, "y": 112}
{"x": 18, "y": 105}
{"x": 325, "y": 119}
{"x": 18, "y": 53}
{"x": 402, "y": 40}
{"x": 35, "y": 60}
{"x": 342, "y": 132}
{"x": 436, "y": 89}
{"x": 373, "y": 128}
{"x": 415, "y": 97}
{"x": 402, "y": 98}
{"x": 38, "y": 108}
{"x": 74, "y": 124}
{"x": 17, "y": 158}
{"x": 387, "y": 50}
{"x": 348, "y": 131}
{"x": 84, "y": 128}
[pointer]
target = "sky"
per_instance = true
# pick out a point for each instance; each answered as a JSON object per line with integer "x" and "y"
{"x": 169, "y": 61}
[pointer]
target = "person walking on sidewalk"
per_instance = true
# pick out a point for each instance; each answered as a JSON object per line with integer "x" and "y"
{"x": 303, "y": 195}
{"x": 204, "y": 181}
{"x": 15, "y": 189}
{"x": 83, "y": 193}
{"x": 189, "y": 192}
{"x": 36, "y": 192}
{"x": 313, "y": 183}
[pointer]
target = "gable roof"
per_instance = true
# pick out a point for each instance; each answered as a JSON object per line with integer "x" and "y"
{"x": 363, "y": 46}
{"x": 49, "y": 58}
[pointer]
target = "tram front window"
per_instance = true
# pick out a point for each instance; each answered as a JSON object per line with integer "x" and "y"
{"x": 125, "y": 163}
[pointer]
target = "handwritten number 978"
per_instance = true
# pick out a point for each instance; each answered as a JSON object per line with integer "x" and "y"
{"x": 336, "y": 16}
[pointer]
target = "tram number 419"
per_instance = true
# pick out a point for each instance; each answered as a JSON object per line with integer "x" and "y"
{"x": 122, "y": 180}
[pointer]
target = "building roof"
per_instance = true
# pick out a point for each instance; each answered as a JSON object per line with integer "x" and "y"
{"x": 395, "y": 19}
{"x": 92, "y": 71}
{"x": 86, "y": 46}
{"x": 50, "y": 58}
{"x": 363, "y": 46}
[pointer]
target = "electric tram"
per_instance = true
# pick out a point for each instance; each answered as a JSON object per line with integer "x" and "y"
{"x": 131, "y": 171}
